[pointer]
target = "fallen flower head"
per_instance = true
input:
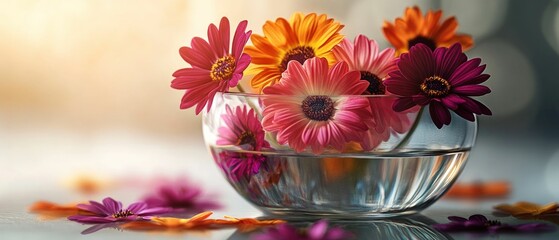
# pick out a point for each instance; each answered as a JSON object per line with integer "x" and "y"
{"x": 111, "y": 210}
{"x": 480, "y": 223}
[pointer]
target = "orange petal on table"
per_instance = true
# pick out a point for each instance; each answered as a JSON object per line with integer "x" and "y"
{"x": 249, "y": 221}
{"x": 477, "y": 190}
{"x": 525, "y": 209}
{"x": 48, "y": 210}
{"x": 197, "y": 222}
{"x": 250, "y": 224}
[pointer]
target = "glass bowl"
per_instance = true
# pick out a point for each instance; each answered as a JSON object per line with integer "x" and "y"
{"x": 400, "y": 166}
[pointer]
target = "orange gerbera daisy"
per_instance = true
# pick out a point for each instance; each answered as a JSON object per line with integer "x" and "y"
{"x": 415, "y": 28}
{"x": 301, "y": 38}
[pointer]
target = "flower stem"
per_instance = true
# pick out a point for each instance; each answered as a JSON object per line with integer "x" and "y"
{"x": 240, "y": 88}
{"x": 411, "y": 131}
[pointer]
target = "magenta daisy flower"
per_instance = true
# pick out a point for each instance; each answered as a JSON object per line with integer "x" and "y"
{"x": 444, "y": 79}
{"x": 363, "y": 56}
{"x": 180, "y": 197}
{"x": 243, "y": 129}
{"x": 214, "y": 66}
{"x": 111, "y": 210}
{"x": 306, "y": 107}
{"x": 317, "y": 231}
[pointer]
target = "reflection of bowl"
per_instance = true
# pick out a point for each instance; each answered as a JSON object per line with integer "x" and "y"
{"x": 416, "y": 227}
{"x": 404, "y": 174}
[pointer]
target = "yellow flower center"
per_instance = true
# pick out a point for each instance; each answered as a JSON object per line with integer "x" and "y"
{"x": 318, "y": 108}
{"x": 435, "y": 86}
{"x": 375, "y": 83}
{"x": 223, "y": 68}
{"x": 299, "y": 54}
{"x": 123, "y": 213}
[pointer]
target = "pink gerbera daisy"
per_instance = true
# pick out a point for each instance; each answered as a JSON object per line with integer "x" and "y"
{"x": 363, "y": 56}
{"x": 243, "y": 129}
{"x": 306, "y": 107}
{"x": 444, "y": 79}
{"x": 214, "y": 68}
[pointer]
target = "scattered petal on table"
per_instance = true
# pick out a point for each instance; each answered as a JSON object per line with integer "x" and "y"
{"x": 111, "y": 210}
{"x": 181, "y": 196}
{"x": 480, "y": 223}
{"x": 199, "y": 221}
{"x": 479, "y": 190}
{"x": 49, "y": 210}
{"x": 528, "y": 208}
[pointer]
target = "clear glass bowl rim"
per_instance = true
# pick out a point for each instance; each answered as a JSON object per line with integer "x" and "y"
{"x": 256, "y": 95}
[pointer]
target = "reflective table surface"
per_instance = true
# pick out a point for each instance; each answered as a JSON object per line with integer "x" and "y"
{"x": 40, "y": 165}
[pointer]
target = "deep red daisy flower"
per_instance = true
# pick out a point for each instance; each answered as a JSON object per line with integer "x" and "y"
{"x": 445, "y": 79}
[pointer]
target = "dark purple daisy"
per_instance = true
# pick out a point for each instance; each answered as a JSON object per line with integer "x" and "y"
{"x": 444, "y": 79}
{"x": 180, "y": 197}
{"x": 479, "y": 223}
{"x": 318, "y": 231}
{"x": 111, "y": 210}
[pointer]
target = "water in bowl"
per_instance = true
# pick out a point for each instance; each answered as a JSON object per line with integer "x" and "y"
{"x": 343, "y": 186}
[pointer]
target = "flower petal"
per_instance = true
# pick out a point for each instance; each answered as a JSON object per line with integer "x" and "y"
{"x": 439, "y": 114}
{"x": 471, "y": 90}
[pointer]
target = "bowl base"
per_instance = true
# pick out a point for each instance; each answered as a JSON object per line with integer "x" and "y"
{"x": 301, "y": 215}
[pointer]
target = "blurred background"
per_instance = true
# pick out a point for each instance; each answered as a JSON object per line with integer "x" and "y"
{"x": 84, "y": 87}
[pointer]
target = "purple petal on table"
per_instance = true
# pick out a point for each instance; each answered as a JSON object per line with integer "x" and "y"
{"x": 449, "y": 227}
{"x": 534, "y": 227}
{"x": 112, "y": 205}
{"x": 90, "y": 219}
{"x": 457, "y": 219}
{"x": 478, "y": 218}
{"x": 91, "y": 208}
{"x": 501, "y": 228}
{"x": 101, "y": 208}
{"x": 154, "y": 211}
{"x": 137, "y": 207}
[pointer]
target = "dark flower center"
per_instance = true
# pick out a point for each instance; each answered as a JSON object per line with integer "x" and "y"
{"x": 421, "y": 39}
{"x": 123, "y": 213}
{"x": 318, "y": 108}
{"x": 223, "y": 68}
{"x": 435, "y": 86}
{"x": 299, "y": 54}
{"x": 247, "y": 138}
{"x": 375, "y": 83}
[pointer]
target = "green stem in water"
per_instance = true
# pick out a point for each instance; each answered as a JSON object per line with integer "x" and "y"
{"x": 411, "y": 131}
